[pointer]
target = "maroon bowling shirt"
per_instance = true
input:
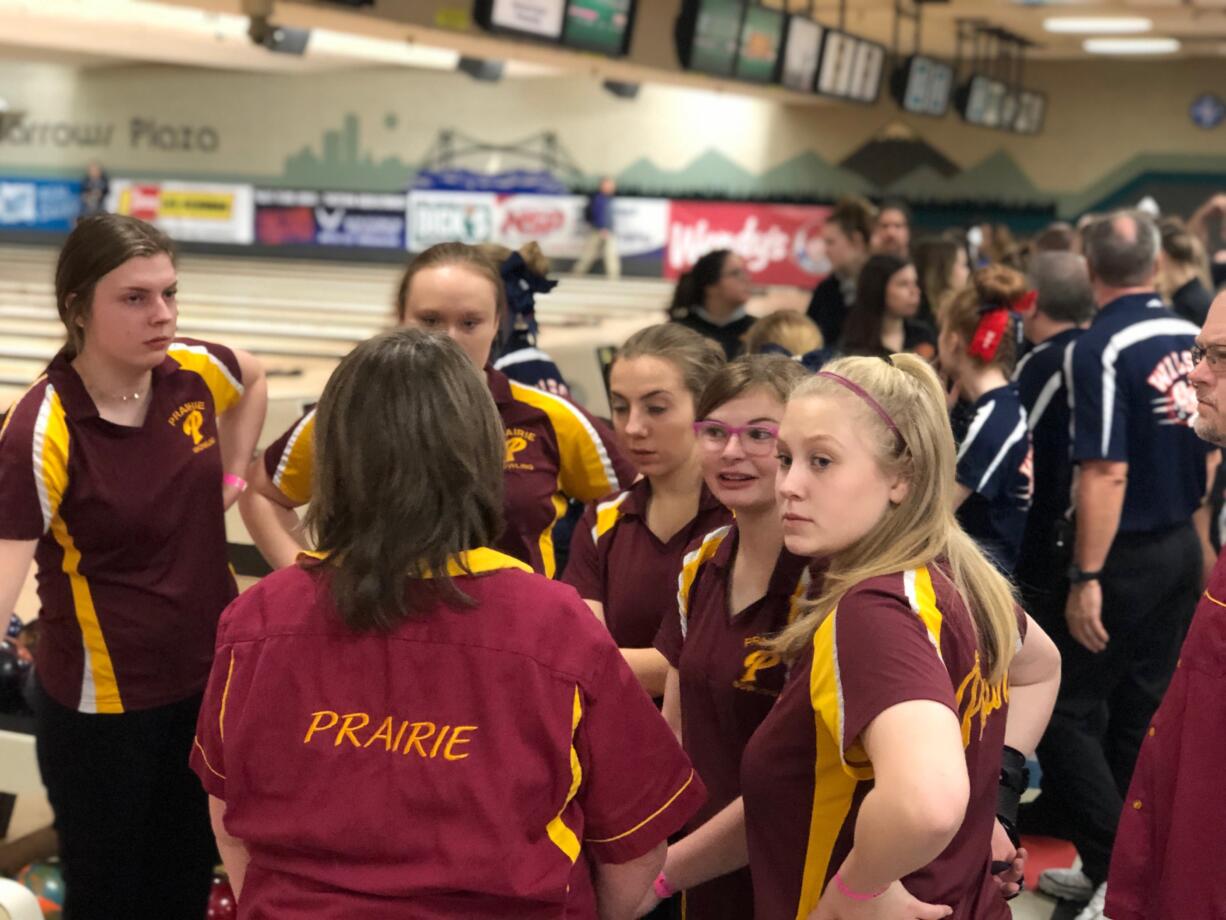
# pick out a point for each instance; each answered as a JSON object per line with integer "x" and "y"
{"x": 892, "y": 639}
{"x": 728, "y": 685}
{"x": 555, "y": 451}
{"x": 131, "y": 555}
{"x": 1166, "y": 861}
{"x": 616, "y": 559}
{"x": 473, "y": 762}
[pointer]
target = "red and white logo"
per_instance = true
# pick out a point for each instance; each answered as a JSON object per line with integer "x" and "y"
{"x": 779, "y": 243}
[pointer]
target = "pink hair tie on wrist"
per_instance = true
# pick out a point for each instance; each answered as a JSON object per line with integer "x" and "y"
{"x": 662, "y": 888}
{"x": 856, "y": 895}
{"x": 237, "y": 481}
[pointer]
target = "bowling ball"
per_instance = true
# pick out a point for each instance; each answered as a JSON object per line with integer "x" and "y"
{"x": 222, "y": 905}
{"x": 15, "y": 664}
{"x": 46, "y": 882}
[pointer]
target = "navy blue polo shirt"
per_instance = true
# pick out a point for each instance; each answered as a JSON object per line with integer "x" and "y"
{"x": 1132, "y": 403}
{"x": 994, "y": 462}
{"x": 1043, "y": 388}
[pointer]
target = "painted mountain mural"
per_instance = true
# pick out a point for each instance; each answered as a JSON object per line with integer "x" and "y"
{"x": 895, "y": 152}
{"x": 713, "y": 173}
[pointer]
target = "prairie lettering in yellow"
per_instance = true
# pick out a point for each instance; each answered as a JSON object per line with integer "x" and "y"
{"x": 427, "y": 740}
{"x": 977, "y": 698}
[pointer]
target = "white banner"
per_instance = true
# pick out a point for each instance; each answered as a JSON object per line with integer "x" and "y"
{"x": 556, "y": 222}
{"x": 200, "y": 212}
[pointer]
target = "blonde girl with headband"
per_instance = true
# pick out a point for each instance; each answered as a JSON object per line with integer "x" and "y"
{"x": 871, "y": 790}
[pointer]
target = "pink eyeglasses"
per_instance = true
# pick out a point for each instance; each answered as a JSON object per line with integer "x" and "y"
{"x": 758, "y": 440}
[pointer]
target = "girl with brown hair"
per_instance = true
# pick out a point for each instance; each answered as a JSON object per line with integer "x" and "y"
{"x": 980, "y": 331}
{"x": 554, "y": 449}
{"x": 116, "y": 468}
{"x": 738, "y": 586}
{"x": 871, "y": 789}
{"x": 410, "y": 723}
{"x": 626, "y": 550}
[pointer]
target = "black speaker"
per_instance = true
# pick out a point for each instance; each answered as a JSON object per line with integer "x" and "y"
{"x": 481, "y": 69}
{"x": 621, "y": 89}
{"x": 277, "y": 38}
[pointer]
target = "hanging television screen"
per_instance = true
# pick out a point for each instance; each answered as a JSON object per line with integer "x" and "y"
{"x": 535, "y": 18}
{"x": 866, "y": 79}
{"x": 603, "y": 26}
{"x": 1032, "y": 107}
{"x": 801, "y": 51}
{"x": 757, "y": 56}
{"x": 834, "y": 74}
{"x": 981, "y": 99}
{"x": 921, "y": 85}
{"x": 708, "y": 35}
{"x": 850, "y": 67}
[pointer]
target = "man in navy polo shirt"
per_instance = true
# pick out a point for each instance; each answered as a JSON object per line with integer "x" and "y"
{"x": 1136, "y": 568}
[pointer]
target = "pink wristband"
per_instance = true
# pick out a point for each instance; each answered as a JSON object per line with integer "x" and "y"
{"x": 856, "y": 895}
{"x": 237, "y": 481}
{"x": 662, "y": 888}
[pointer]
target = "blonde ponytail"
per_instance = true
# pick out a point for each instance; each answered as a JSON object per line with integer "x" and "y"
{"x": 922, "y": 528}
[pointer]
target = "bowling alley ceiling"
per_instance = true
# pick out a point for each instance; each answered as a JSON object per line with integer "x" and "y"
{"x": 1199, "y": 25}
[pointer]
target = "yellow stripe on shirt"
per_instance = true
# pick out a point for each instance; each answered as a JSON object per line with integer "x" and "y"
{"x": 834, "y": 785}
{"x": 225, "y": 387}
{"x": 296, "y": 465}
{"x": 99, "y": 689}
{"x": 585, "y": 471}
{"x": 563, "y": 837}
{"x": 549, "y": 559}
{"x": 923, "y": 599}
{"x": 607, "y": 515}
{"x": 690, "y": 564}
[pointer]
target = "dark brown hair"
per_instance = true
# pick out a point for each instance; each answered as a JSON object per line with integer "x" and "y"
{"x": 862, "y": 328}
{"x": 691, "y": 289}
{"x": 97, "y": 246}
{"x": 774, "y": 373}
{"x": 696, "y": 356}
{"x": 408, "y": 474}
{"x": 462, "y": 254}
{"x": 935, "y": 258}
{"x": 992, "y": 286}
{"x": 855, "y": 217}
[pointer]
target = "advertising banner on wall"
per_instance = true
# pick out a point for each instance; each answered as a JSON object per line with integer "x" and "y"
{"x": 781, "y": 244}
{"x": 200, "y": 212}
{"x": 39, "y": 204}
{"x": 289, "y": 217}
{"x": 556, "y": 222}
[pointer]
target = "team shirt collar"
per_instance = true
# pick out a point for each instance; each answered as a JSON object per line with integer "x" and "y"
{"x": 470, "y": 562}
{"x": 78, "y": 404}
{"x": 639, "y": 494}
{"x": 500, "y": 386}
{"x": 1145, "y": 300}
{"x": 788, "y": 566}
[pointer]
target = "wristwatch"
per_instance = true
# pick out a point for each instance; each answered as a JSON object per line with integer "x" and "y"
{"x": 1077, "y": 576}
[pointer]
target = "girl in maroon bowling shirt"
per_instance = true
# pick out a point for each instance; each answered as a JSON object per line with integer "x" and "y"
{"x": 627, "y": 549}
{"x": 871, "y": 788}
{"x": 738, "y": 586}
{"x": 555, "y": 450}
{"x": 413, "y": 724}
{"x": 116, "y": 467}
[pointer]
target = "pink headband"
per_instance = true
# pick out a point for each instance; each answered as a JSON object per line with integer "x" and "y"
{"x": 872, "y": 403}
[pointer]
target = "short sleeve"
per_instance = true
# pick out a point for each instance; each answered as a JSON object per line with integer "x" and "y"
{"x": 216, "y": 365}
{"x": 884, "y": 656}
{"x": 225, "y": 697}
{"x": 34, "y": 445}
{"x": 289, "y": 461}
{"x": 984, "y": 464}
{"x": 670, "y": 638}
{"x": 633, "y": 796}
{"x": 583, "y": 569}
{"x": 1100, "y": 406}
